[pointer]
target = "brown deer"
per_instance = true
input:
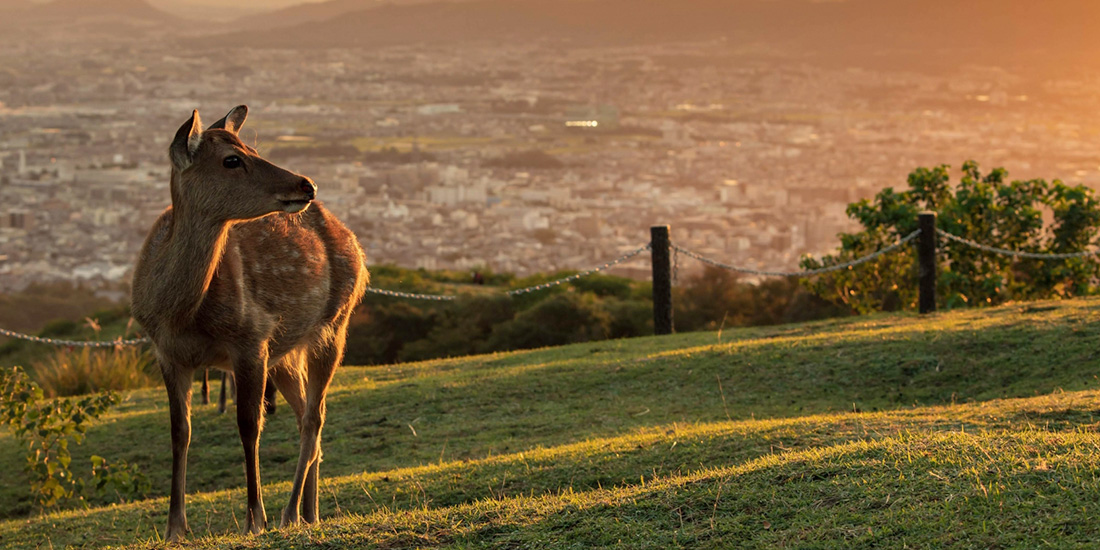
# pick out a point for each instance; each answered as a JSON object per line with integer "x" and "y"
{"x": 241, "y": 274}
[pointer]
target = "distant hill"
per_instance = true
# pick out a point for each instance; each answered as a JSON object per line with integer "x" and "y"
{"x": 68, "y": 9}
{"x": 8, "y": 6}
{"x": 108, "y": 17}
{"x": 319, "y": 11}
{"x": 966, "y": 30}
{"x": 305, "y": 13}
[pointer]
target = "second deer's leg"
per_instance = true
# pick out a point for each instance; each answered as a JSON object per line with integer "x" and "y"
{"x": 177, "y": 381}
{"x": 250, "y": 374}
{"x": 223, "y": 397}
{"x": 269, "y": 397}
{"x": 205, "y": 386}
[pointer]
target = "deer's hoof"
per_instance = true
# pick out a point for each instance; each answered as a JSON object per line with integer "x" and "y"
{"x": 176, "y": 533}
{"x": 257, "y": 521}
{"x": 290, "y": 519}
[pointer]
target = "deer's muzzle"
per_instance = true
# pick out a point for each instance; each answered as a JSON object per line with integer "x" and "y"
{"x": 299, "y": 201}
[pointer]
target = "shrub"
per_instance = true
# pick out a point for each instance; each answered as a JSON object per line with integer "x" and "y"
{"x": 561, "y": 319}
{"x": 986, "y": 208}
{"x": 46, "y": 427}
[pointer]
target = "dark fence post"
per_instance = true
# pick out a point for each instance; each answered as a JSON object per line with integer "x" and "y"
{"x": 926, "y": 253}
{"x": 662, "y": 279}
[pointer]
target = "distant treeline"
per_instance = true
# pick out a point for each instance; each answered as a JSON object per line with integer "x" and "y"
{"x": 599, "y": 307}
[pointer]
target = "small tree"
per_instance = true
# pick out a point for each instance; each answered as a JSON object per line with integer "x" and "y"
{"x": 986, "y": 209}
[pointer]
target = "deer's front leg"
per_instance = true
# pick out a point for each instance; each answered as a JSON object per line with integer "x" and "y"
{"x": 251, "y": 375}
{"x": 177, "y": 381}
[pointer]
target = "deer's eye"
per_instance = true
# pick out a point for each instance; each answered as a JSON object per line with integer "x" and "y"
{"x": 232, "y": 162}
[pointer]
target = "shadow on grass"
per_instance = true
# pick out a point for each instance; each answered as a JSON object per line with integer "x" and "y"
{"x": 920, "y": 490}
{"x": 600, "y": 469}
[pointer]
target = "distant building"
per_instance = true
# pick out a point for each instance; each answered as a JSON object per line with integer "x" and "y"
{"x": 592, "y": 117}
{"x": 438, "y": 109}
{"x": 17, "y": 219}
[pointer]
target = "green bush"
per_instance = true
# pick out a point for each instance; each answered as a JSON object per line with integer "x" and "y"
{"x": 987, "y": 209}
{"x": 565, "y": 318}
{"x": 46, "y": 427}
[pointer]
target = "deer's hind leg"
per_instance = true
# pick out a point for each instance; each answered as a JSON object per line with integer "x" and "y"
{"x": 321, "y": 363}
{"x": 289, "y": 376}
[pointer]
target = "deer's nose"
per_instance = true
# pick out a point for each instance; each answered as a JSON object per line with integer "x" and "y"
{"x": 308, "y": 188}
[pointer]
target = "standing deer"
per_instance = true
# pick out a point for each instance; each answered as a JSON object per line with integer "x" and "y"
{"x": 240, "y": 274}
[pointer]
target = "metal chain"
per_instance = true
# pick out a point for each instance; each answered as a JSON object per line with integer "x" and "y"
{"x": 675, "y": 266}
{"x": 808, "y": 273}
{"x": 393, "y": 293}
{"x": 74, "y": 343}
{"x": 1015, "y": 253}
{"x": 411, "y": 295}
{"x": 518, "y": 291}
{"x": 576, "y": 276}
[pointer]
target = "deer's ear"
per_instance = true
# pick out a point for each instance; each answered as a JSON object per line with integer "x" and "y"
{"x": 233, "y": 120}
{"x": 186, "y": 143}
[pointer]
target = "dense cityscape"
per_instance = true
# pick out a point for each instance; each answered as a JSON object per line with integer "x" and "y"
{"x": 519, "y": 160}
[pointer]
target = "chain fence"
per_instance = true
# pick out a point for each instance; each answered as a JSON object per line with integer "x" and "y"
{"x": 518, "y": 291}
{"x": 74, "y": 343}
{"x": 379, "y": 291}
{"x": 1015, "y": 253}
{"x": 807, "y": 273}
{"x": 676, "y": 250}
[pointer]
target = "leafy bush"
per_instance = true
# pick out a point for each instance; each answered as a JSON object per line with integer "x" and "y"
{"x": 47, "y": 427}
{"x": 565, "y": 318}
{"x": 715, "y": 298}
{"x": 987, "y": 209}
{"x": 462, "y": 329}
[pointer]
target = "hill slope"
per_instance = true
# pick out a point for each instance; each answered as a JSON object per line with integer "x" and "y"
{"x": 955, "y": 31}
{"x": 759, "y": 437}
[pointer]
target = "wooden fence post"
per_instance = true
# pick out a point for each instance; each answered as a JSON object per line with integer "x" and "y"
{"x": 926, "y": 254}
{"x": 662, "y": 279}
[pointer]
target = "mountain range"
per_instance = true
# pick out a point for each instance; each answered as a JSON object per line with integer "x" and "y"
{"x": 1003, "y": 31}
{"x": 21, "y": 18}
{"x": 1047, "y": 33}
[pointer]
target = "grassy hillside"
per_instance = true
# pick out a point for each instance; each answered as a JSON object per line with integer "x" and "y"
{"x": 965, "y": 429}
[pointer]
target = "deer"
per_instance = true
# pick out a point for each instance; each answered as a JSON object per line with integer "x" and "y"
{"x": 247, "y": 273}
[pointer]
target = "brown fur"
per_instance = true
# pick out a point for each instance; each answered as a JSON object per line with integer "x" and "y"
{"x": 228, "y": 278}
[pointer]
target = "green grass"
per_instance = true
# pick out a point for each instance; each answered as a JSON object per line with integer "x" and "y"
{"x": 964, "y": 429}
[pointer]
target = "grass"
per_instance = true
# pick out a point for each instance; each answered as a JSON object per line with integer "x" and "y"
{"x": 84, "y": 370}
{"x": 964, "y": 429}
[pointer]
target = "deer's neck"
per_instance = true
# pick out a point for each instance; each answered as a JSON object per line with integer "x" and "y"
{"x": 194, "y": 249}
